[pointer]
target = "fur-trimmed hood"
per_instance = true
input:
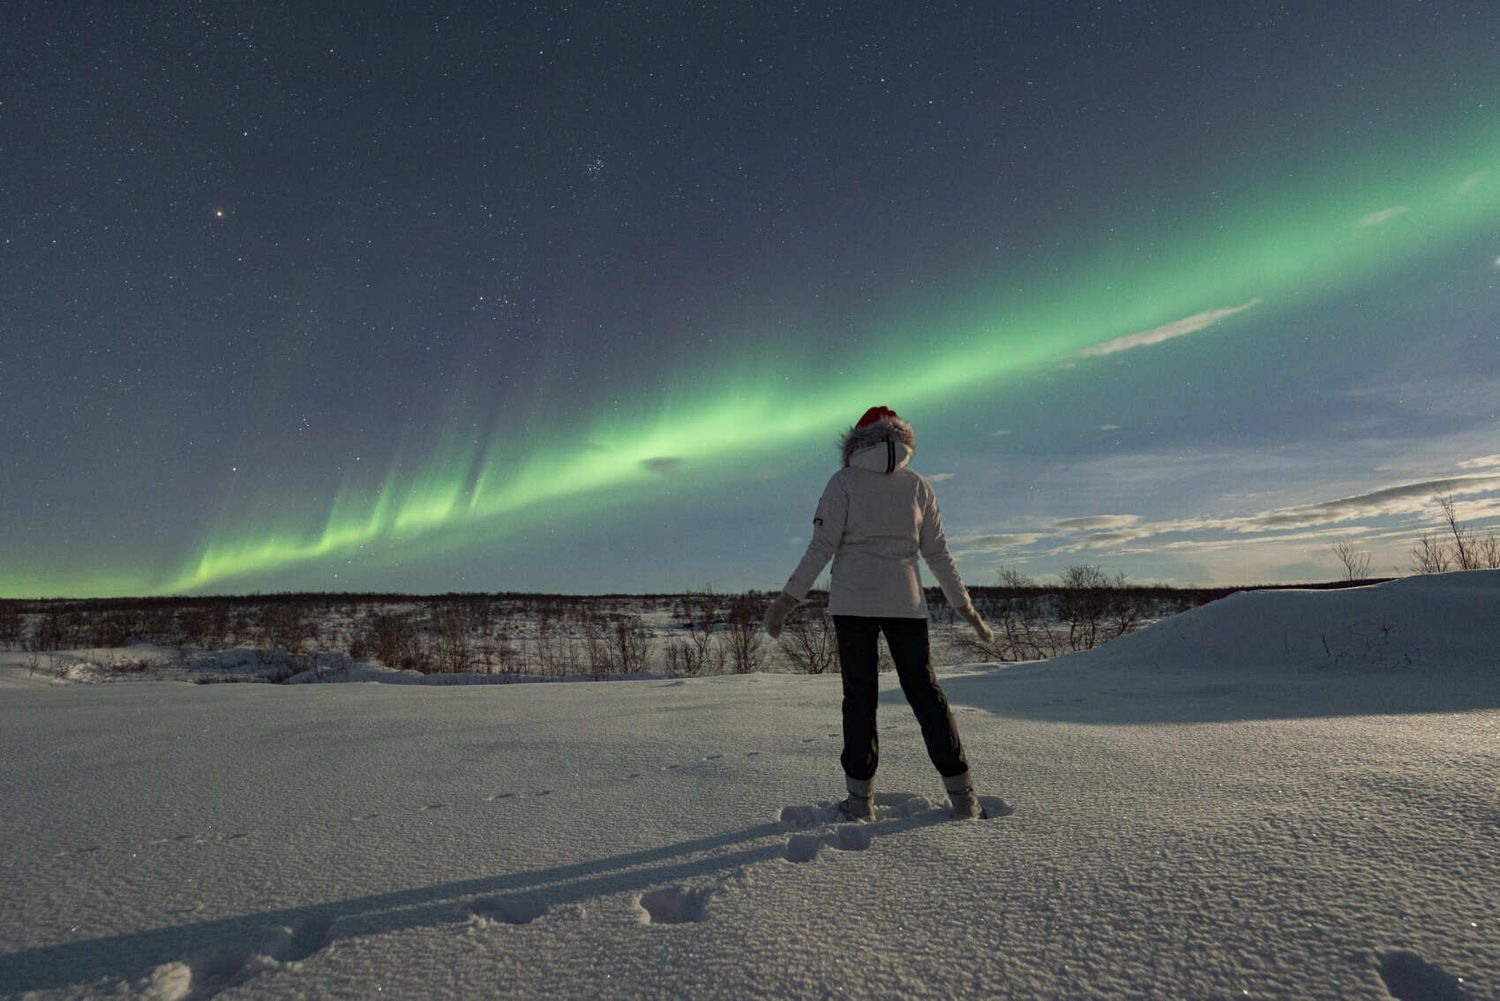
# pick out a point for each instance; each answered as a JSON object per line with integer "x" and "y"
{"x": 895, "y": 434}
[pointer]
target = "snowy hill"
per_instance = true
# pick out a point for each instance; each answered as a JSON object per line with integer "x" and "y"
{"x": 1440, "y": 624}
{"x": 1220, "y": 806}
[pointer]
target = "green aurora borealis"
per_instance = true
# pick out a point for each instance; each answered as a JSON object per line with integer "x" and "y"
{"x": 1256, "y": 252}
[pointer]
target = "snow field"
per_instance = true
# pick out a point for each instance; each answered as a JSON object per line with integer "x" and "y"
{"x": 1186, "y": 825}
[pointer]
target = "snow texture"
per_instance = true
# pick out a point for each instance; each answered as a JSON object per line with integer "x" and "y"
{"x": 1280, "y": 795}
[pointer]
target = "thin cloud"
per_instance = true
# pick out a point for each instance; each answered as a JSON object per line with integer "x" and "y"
{"x": 940, "y": 477}
{"x": 1481, "y": 462}
{"x": 1376, "y": 218}
{"x": 1109, "y": 427}
{"x": 1471, "y": 182}
{"x": 1002, "y": 541}
{"x": 1166, "y": 332}
{"x": 1002, "y": 433}
{"x": 1099, "y": 522}
{"x": 1303, "y": 523}
{"x": 1405, "y": 498}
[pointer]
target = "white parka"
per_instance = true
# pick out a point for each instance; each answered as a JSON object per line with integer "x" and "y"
{"x": 873, "y": 519}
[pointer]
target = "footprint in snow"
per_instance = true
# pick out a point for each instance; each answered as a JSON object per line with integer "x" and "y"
{"x": 435, "y": 806}
{"x": 633, "y": 775}
{"x": 809, "y": 740}
{"x": 212, "y": 973}
{"x": 752, "y": 754}
{"x": 713, "y": 757}
{"x": 513, "y": 910}
{"x": 995, "y": 807}
{"x": 365, "y": 816}
{"x": 851, "y": 837}
{"x": 499, "y": 796}
{"x": 673, "y": 905}
{"x": 544, "y": 792}
{"x": 803, "y": 847}
{"x": 1409, "y": 977}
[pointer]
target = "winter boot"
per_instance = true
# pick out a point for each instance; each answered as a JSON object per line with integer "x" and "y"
{"x": 966, "y": 805}
{"x": 860, "y": 803}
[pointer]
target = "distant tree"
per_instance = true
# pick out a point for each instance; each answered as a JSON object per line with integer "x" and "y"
{"x": 1356, "y": 561}
{"x": 1463, "y": 538}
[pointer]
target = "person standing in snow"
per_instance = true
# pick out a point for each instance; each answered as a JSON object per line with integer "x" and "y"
{"x": 875, "y": 516}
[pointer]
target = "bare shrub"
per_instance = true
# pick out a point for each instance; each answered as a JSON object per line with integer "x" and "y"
{"x": 284, "y": 625}
{"x": 746, "y": 647}
{"x": 1083, "y": 604}
{"x": 392, "y": 639}
{"x": 697, "y": 652}
{"x": 207, "y": 628}
{"x": 1355, "y": 561}
{"x": 616, "y": 643}
{"x": 12, "y": 625}
{"x": 1487, "y": 551}
{"x": 808, "y": 640}
{"x": 49, "y": 631}
{"x": 108, "y": 629}
{"x": 450, "y": 639}
{"x": 1430, "y": 555}
{"x": 1021, "y": 617}
{"x": 1464, "y": 549}
{"x": 558, "y": 652}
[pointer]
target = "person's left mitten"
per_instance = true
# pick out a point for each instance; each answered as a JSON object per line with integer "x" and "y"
{"x": 776, "y": 614}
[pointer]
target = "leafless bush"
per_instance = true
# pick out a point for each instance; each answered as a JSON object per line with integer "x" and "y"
{"x": 617, "y": 643}
{"x": 808, "y": 640}
{"x": 109, "y": 629}
{"x": 158, "y": 624}
{"x": 207, "y": 627}
{"x": 1355, "y": 561}
{"x": 746, "y": 646}
{"x": 1430, "y": 555}
{"x": 1464, "y": 549}
{"x": 1096, "y": 607}
{"x": 450, "y": 639}
{"x": 284, "y": 625}
{"x": 1083, "y": 604}
{"x": 392, "y": 639}
{"x": 12, "y": 625}
{"x": 49, "y": 631}
{"x": 558, "y": 652}
{"x": 1021, "y": 617}
{"x": 697, "y": 652}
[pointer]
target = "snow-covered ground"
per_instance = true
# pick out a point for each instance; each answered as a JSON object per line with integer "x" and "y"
{"x": 1287, "y": 795}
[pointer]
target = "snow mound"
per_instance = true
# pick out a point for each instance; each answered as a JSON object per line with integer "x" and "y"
{"x": 1440, "y": 623}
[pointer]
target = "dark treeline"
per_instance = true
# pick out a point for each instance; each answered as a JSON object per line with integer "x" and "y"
{"x": 697, "y": 632}
{"x": 1161, "y": 592}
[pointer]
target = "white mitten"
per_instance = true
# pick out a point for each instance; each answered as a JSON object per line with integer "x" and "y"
{"x": 777, "y": 613}
{"x": 972, "y": 617}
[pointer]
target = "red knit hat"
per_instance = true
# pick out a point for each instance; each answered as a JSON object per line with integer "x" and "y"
{"x": 875, "y": 414}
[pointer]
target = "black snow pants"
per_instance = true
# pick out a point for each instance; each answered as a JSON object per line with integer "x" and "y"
{"x": 859, "y": 659}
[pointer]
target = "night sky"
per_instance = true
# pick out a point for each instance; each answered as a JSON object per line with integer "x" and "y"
{"x": 579, "y": 297}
